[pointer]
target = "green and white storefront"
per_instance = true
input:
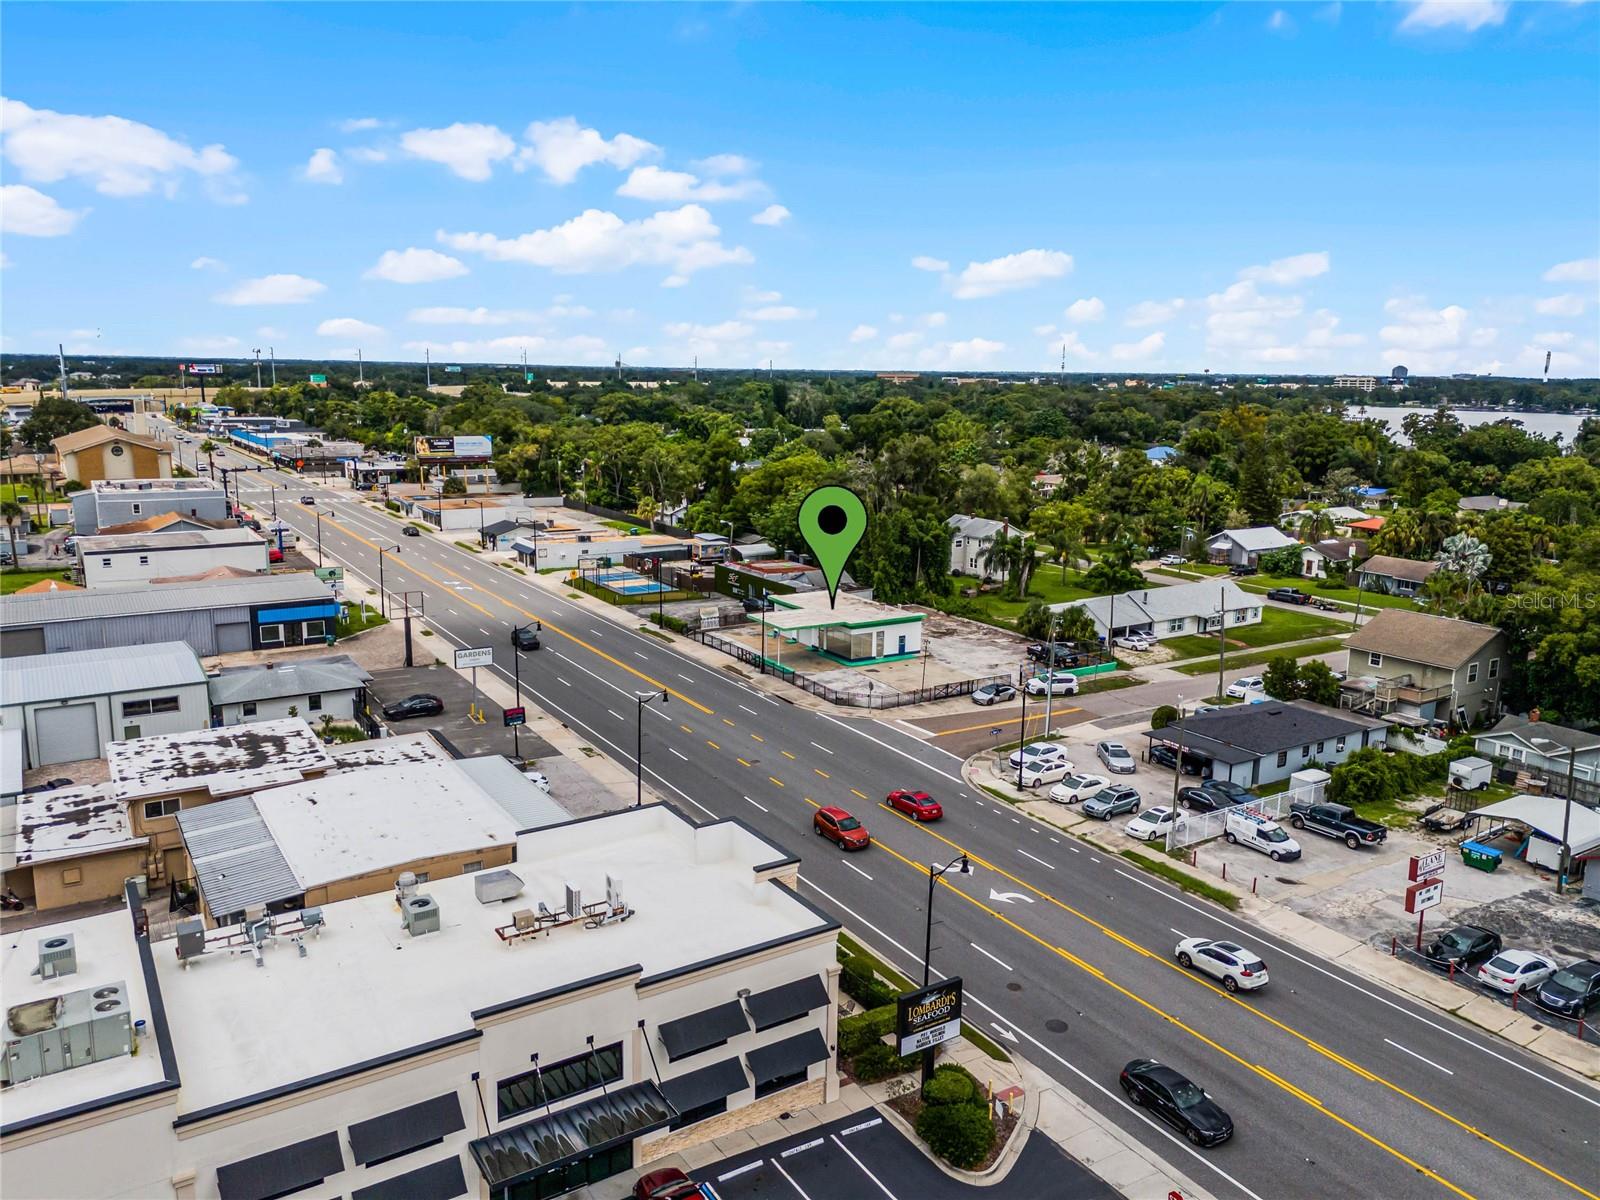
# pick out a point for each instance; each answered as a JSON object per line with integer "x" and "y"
{"x": 853, "y": 632}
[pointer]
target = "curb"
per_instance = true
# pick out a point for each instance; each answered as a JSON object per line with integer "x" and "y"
{"x": 996, "y": 1171}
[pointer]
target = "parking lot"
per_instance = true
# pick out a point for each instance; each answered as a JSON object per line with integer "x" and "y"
{"x": 454, "y": 725}
{"x": 863, "y": 1157}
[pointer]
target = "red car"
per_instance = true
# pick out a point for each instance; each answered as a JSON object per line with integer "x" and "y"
{"x": 841, "y": 828}
{"x": 668, "y": 1183}
{"x": 919, "y": 806}
{"x": 274, "y": 554}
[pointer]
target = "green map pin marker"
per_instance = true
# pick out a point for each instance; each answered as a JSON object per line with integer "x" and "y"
{"x": 833, "y": 521}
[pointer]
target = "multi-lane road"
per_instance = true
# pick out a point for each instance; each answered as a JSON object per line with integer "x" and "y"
{"x": 1337, "y": 1087}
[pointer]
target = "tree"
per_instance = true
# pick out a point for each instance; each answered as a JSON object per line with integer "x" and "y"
{"x": 1280, "y": 562}
{"x": 1034, "y": 620}
{"x": 1258, "y": 485}
{"x": 14, "y": 515}
{"x": 455, "y": 486}
{"x": 1163, "y": 716}
{"x": 1281, "y": 679}
{"x": 1464, "y": 556}
{"x": 54, "y": 417}
{"x": 1061, "y": 524}
{"x": 1318, "y": 683}
{"x": 1315, "y": 524}
{"x": 208, "y": 448}
{"x": 1074, "y": 624}
{"x": 1012, "y": 556}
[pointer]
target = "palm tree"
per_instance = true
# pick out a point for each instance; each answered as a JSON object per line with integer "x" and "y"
{"x": 208, "y": 448}
{"x": 1012, "y": 556}
{"x": 1316, "y": 524}
{"x": 1465, "y": 558}
{"x": 14, "y": 515}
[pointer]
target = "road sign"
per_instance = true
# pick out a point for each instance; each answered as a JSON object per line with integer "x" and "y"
{"x": 1424, "y": 894}
{"x": 453, "y": 370}
{"x": 329, "y": 574}
{"x": 474, "y": 656}
{"x": 1426, "y": 866}
{"x": 515, "y": 717}
{"x": 928, "y": 1017}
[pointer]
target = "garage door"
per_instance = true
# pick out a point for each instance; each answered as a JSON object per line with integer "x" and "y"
{"x": 66, "y": 734}
{"x": 233, "y": 637}
{"x": 15, "y": 643}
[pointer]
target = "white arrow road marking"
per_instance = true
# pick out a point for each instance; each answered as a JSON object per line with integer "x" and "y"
{"x": 1008, "y": 897}
{"x": 1003, "y": 1031}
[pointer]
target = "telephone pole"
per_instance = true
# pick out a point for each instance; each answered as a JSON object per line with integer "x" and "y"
{"x": 427, "y": 368}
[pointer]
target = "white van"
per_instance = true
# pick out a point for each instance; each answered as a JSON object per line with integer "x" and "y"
{"x": 1260, "y": 833}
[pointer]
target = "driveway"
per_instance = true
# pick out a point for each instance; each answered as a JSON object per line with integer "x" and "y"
{"x": 454, "y": 725}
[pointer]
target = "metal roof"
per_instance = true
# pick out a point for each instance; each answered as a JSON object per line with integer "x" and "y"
{"x": 237, "y": 864}
{"x": 179, "y": 539}
{"x": 297, "y": 677}
{"x": 530, "y": 807}
{"x": 37, "y": 678}
{"x": 137, "y": 598}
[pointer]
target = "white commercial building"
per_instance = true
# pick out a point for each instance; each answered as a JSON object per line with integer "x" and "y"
{"x": 118, "y": 501}
{"x": 113, "y": 558}
{"x": 632, "y": 985}
{"x": 313, "y": 687}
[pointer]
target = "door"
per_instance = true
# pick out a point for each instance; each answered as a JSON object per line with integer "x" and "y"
{"x": 66, "y": 734}
{"x": 233, "y": 637}
{"x": 15, "y": 643}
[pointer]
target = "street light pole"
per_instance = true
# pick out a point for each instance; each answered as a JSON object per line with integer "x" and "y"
{"x": 964, "y": 867}
{"x": 1022, "y": 732}
{"x": 641, "y": 699}
{"x": 319, "y": 537}
{"x": 383, "y": 596}
{"x": 272, "y": 358}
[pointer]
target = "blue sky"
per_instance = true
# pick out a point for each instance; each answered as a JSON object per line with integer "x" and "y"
{"x": 1243, "y": 187}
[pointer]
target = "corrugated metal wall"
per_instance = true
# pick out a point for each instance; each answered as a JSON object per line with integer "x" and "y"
{"x": 198, "y": 628}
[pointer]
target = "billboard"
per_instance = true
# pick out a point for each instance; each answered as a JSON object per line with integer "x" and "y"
{"x": 469, "y": 446}
{"x": 200, "y": 368}
{"x": 453, "y": 370}
{"x": 928, "y": 1017}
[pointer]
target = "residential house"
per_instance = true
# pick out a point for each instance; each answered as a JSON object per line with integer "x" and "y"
{"x": 1331, "y": 556}
{"x": 1414, "y": 668}
{"x": 1045, "y": 483}
{"x": 103, "y": 452}
{"x": 1394, "y": 576}
{"x": 1258, "y": 744}
{"x": 1543, "y": 749}
{"x": 973, "y": 539}
{"x": 1164, "y": 612}
{"x": 1481, "y": 504}
{"x": 312, "y": 688}
{"x": 1339, "y": 516}
{"x": 1365, "y": 528}
{"x": 1244, "y": 547}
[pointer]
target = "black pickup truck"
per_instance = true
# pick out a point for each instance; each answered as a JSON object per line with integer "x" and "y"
{"x": 1336, "y": 821}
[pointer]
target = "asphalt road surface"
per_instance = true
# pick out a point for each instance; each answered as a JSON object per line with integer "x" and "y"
{"x": 1337, "y": 1089}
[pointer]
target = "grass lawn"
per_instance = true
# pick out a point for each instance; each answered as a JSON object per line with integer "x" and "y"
{"x": 14, "y": 491}
{"x": 1324, "y": 588}
{"x": 11, "y": 581}
{"x": 1195, "y": 570}
{"x": 359, "y": 621}
{"x": 1286, "y": 625}
{"x": 1258, "y": 658}
{"x": 1045, "y": 585}
{"x": 625, "y": 526}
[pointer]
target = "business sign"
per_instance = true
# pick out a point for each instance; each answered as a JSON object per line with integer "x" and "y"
{"x": 474, "y": 656}
{"x": 453, "y": 370}
{"x": 471, "y": 446}
{"x": 1424, "y": 894}
{"x": 200, "y": 368}
{"x": 329, "y": 574}
{"x": 515, "y": 717}
{"x": 322, "y": 379}
{"x": 1426, "y": 866}
{"x": 928, "y": 1017}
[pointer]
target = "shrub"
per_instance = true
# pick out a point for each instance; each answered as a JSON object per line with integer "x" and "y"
{"x": 392, "y": 505}
{"x": 1163, "y": 716}
{"x": 950, "y": 1087}
{"x": 862, "y": 985}
{"x": 877, "y": 1061}
{"x": 961, "y": 1134}
{"x": 864, "y": 1029}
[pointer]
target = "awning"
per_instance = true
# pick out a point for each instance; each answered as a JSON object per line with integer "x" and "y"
{"x": 786, "y": 1002}
{"x": 715, "y": 1082}
{"x": 406, "y": 1129}
{"x": 1548, "y": 815}
{"x": 703, "y": 1030}
{"x": 571, "y": 1133}
{"x": 287, "y": 1169}
{"x": 442, "y": 1180}
{"x": 788, "y": 1057}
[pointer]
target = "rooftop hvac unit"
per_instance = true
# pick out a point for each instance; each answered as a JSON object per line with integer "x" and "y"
{"x": 58, "y": 1033}
{"x": 191, "y": 939}
{"x": 496, "y": 887}
{"x": 574, "y": 902}
{"x": 613, "y": 893}
{"x": 421, "y": 915}
{"x": 58, "y": 956}
{"x": 405, "y": 887}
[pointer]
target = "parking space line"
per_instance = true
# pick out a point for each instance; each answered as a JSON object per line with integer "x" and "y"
{"x": 790, "y": 1178}
{"x": 680, "y": 754}
{"x": 737, "y": 1171}
{"x": 824, "y": 749}
{"x": 801, "y": 1148}
{"x": 863, "y": 1168}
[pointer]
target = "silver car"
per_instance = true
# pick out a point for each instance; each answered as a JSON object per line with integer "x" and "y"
{"x": 1116, "y": 758}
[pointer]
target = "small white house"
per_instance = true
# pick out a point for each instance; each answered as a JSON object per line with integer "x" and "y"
{"x": 1243, "y": 547}
{"x": 112, "y": 558}
{"x": 973, "y": 538}
{"x": 313, "y": 687}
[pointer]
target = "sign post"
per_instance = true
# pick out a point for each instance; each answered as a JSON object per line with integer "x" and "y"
{"x": 474, "y": 657}
{"x": 1426, "y": 887}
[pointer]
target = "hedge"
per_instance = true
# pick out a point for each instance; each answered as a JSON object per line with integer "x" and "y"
{"x": 858, "y": 981}
{"x": 879, "y": 1061}
{"x": 862, "y": 1030}
{"x": 961, "y": 1134}
{"x": 950, "y": 1087}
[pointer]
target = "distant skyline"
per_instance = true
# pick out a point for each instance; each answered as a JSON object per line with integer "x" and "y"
{"x": 1289, "y": 189}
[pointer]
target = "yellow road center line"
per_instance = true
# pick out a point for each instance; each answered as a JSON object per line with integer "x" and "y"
{"x": 685, "y": 728}
{"x": 743, "y": 763}
{"x": 758, "y": 737}
{"x": 775, "y": 780}
{"x": 863, "y": 795}
{"x": 725, "y": 721}
{"x": 786, "y": 754}
{"x": 712, "y": 744}
{"x": 821, "y": 772}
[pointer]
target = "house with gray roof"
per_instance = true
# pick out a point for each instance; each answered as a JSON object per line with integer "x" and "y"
{"x": 1317, "y": 561}
{"x": 312, "y": 688}
{"x": 1414, "y": 668}
{"x": 1243, "y": 547}
{"x": 1164, "y": 612}
{"x": 1543, "y": 749}
{"x": 1394, "y": 576}
{"x": 1257, "y": 744}
{"x": 972, "y": 539}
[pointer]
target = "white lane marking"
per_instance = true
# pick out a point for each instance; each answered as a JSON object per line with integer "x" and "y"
{"x": 484, "y": 631}
{"x": 614, "y": 713}
{"x": 762, "y": 807}
{"x": 751, "y": 711}
{"x": 1179, "y": 932}
{"x": 684, "y": 677}
{"x": 989, "y": 956}
{"x": 790, "y": 1178}
{"x": 1116, "y": 1100}
{"x": 858, "y": 1128}
{"x": 522, "y": 656}
{"x": 1040, "y": 861}
{"x": 821, "y": 747}
{"x": 963, "y": 795}
{"x": 1414, "y": 1054}
{"x": 638, "y": 654}
{"x": 856, "y": 869}
{"x": 1055, "y": 841}
{"x": 892, "y": 749}
{"x": 561, "y": 680}
{"x": 680, "y": 754}
{"x": 801, "y": 1148}
{"x": 451, "y": 611}
{"x": 864, "y": 1170}
{"x": 1074, "y": 849}
{"x": 574, "y": 662}
{"x": 1092, "y": 858}
{"x": 1016, "y": 820}
{"x": 656, "y": 711}
{"x": 727, "y": 1175}
{"x": 595, "y": 631}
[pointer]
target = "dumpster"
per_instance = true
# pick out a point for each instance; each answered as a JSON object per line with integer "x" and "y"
{"x": 1483, "y": 858}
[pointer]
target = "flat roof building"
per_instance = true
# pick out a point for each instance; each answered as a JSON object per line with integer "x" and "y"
{"x": 118, "y": 501}
{"x": 848, "y": 630}
{"x": 107, "y": 559}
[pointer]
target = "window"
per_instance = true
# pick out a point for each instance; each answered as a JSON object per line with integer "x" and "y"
{"x": 1472, "y": 672}
{"x": 778, "y": 1084}
{"x": 534, "y": 1089}
{"x": 1305, "y": 751}
{"x": 1175, "y": 626}
{"x": 272, "y": 635}
{"x": 137, "y": 509}
{"x": 1320, "y": 746}
{"x": 1374, "y": 660}
{"x": 691, "y": 1116}
{"x": 422, "y": 876}
{"x": 314, "y": 702}
{"x": 116, "y": 450}
{"x": 1283, "y": 758}
{"x": 71, "y": 875}
{"x": 316, "y": 629}
{"x": 1339, "y": 746}
{"x": 475, "y": 865}
{"x": 160, "y": 808}
{"x": 247, "y": 708}
{"x": 156, "y": 704}
{"x": 1494, "y": 668}
{"x": 144, "y": 560}
{"x": 1518, "y": 754}
{"x": 105, "y": 562}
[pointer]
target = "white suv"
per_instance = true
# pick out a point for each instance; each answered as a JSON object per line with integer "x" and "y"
{"x": 1057, "y": 683}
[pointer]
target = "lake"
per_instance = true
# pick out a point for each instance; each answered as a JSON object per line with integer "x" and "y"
{"x": 1544, "y": 424}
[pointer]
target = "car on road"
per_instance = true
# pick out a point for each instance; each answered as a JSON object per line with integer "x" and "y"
{"x": 1204, "y": 799}
{"x": 308, "y": 499}
{"x": 994, "y": 693}
{"x": 1240, "y": 688}
{"x": 410, "y": 531}
{"x": 1074, "y": 788}
{"x": 1242, "y": 828}
{"x": 757, "y": 604}
{"x": 1152, "y": 824}
{"x": 1116, "y": 758}
{"x": 1056, "y": 683}
{"x": 525, "y": 637}
{"x": 1288, "y": 595}
{"x": 1515, "y": 971}
{"x": 1135, "y": 641}
{"x": 1049, "y": 770}
{"x": 1034, "y": 752}
{"x": 1167, "y": 756}
{"x": 1242, "y": 569}
{"x": 1177, "y": 1101}
{"x": 919, "y": 806}
{"x": 1337, "y": 821}
{"x": 1238, "y": 968}
{"x": 1173, "y": 560}
{"x": 1110, "y": 800}
{"x": 420, "y": 705}
{"x": 1463, "y": 948}
{"x": 840, "y": 828}
{"x": 668, "y": 1183}
{"x": 1573, "y": 991}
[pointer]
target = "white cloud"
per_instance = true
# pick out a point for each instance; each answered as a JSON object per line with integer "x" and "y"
{"x": 447, "y": 315}
{"x": 1241, "y": 316}
{"x": 1418, "y": 327}
{"x": 773, "y": 349}
{"x": 757, "y": 296}
{"x": 1569, "y": 305}
{"x": 1010, "y": 273}
{"x": 923, "y": 262}
{"x": 272, "y": 289}
{"x": 726, "y": 164}
{"x": 117, "y": 156}
{"x": 1330, "y": 12}
{"x": 780, "y": 312}
{"x": 578, "y": 349}
{"x": 1554, "y": 338}
{"x": 323, "y": 167}
{"x": 1280, "y": 22}
{"x": 5, "y": 261}
{"x": 413, "y": 265}
{"x": 1153, "y": 312}
{"x": 675, "y": 281}
{"x": 1090, "y": 309}
{"x": 348, "y": 327}
{"x": 1142, "y": 350}
{"x": 1579, "y": 270}
{"x": 562, "y": 148}
{"x": 1466, "y": 15}
{"x": 223, "y": 344}
{"x": 205, "y": 263}
{"x": 30, "y": 213}
{"x": 904, "y": 341}
{"x": 470, "y": 150}
{"x": 684, "y": 239}
{"x": 936, "y": 320}
{"x": 772, "y": 214}
{"x": 368, "y": 154}
{"x": 863, "y": 333}
{"x": 1284, "y": 271}
{"x": 655, "y": 183}
{"x": 268, "y": 333}
{"x": 726, "y": 331}
{"x": 1323, "y": 333}
{"x": 360, "y": 124}
{"x": 726, "y": 341}
{"x": 974, "y": 352}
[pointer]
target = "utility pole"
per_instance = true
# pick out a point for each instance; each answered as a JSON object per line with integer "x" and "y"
{"x": 1566, "y": 821}
{"x": 1050, "y": 676}
{"x": 361, "y": 370}
{"x": 273, "y": 359}
{"x": 427, "y": 368}
{"x": 697, "y": 368}
{"x": 257, "y": 353}
{"x": 61, "y": 364}
{"x": 1222, "y": 637}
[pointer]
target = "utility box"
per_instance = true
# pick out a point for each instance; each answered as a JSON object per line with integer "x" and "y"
{"x": 1310, "y": 783}
{"x": 43, "y": 1037}
{"x": 1470, "y": 774}
{"x": 421, "y": 915}
{"x": 496, "y": 887}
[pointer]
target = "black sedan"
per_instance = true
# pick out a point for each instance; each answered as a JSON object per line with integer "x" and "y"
{"x": 420, "y": 705}
{"x": 1572, "y": 991}
{"x": 411, "y": 531}
{"x": 1239, "y": 793}
{"x": 1167, "y": 756}
{"x": 525, "y": 637}
{"x": 1177, "y": 1101}
{"x": 1204, "y": 799}
{"x": 1463, "y": 947}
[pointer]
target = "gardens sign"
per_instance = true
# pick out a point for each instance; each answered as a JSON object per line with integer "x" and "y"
{"x": 929, "y": 1016}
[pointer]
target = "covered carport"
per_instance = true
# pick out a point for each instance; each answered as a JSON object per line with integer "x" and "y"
{"x": 1548, "y": 820}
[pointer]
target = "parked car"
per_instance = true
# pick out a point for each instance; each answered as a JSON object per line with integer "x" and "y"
{"x": 919, "y": 806}
{"x": 308, "y": 499}
{"x": 1110, "y": 800}
{"x": 1227, "y": 787}
{"x": 1177, "y": 1101}
{"x": 668, "y": 1183}
{"x": 994, "y": 693}
{"x": 1173, "y": 560}
{"x": 1238, "y": 968}
{"x": 1244, "y": 828}
{"x": 1049, "y": 770}
{"x": 1152, "y": 824}
{"x": 1135, "y": 641}
{"x": 410, "y": 531}
{"x": 1056, "y": 683}
{"x": 1242, "y": 569}
{"x": 525, "y": 637}
{"x": 1034, "y": 751}
{"x": 1288, "y": 595}
{"x": 1204, "y": 799}
{"x": 1463, "y": 948}
{"x": 758, "y": 604}
{"x": 1573, "y": 991}
{"x": 1515, "y": 971}
{"x": 840, "y": 828}
{"x": 1167, "y": 756}
{"x": 420, "y": 705}
{"x": 1116, "y": 758}
{"x": 274, "y": 555}
{"x": 1336, "y": 821}
{"x": 1077, "y": 787}
{"x": 1065, "y": 653}
{"x": 1240, "y": 688}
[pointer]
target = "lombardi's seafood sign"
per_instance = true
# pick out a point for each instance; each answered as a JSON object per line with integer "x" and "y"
{"x": 928, "y": 1017}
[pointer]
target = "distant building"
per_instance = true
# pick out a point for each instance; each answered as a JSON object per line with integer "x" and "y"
{"x": 1361, "y": 383}
{"x": 1480, "y": 504}
{"x": 119, "y": 501}
{"x": 1395, "y": 576}
{"x": 850, "y": 630}
{"x": 899, "y": 376}
{"x": 1244, "y": 547}
{"x": 1318, "y": 561}
{"x": 101, "y": 452}
{"x": 973, "y": 539}
{"x": 1161, "y": 455}
{"x": 107, "y": 559}
{"x": 1163, "y": 612}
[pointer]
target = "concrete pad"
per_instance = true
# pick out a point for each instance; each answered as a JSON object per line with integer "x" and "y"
{"x": 1093, "y": 1146}
{"x": 740, "y": 1141}
{"x": 1524, "y": 1032}
{"x": 1122, "y": 1169}
{"x": 795, "y": 1122}
{"x": 696, "y": 1157}
{"x": 1487, "y": 1014}
{"x": 1563, "y": 1048}
{"x": 1059, "y": 1119}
